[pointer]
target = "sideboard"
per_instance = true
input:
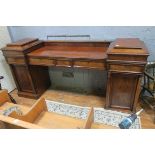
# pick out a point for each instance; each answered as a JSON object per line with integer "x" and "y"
{"x": 124, "y": 60}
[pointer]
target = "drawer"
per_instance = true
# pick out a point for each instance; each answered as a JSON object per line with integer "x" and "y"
{"x": 81, "y": 64}
{"x": 44, "y": 61}
{"x": 97, "y": 65}
{"x": 15, "y": 60}
{"x": 126, "y": 68}
{"x": 90, "y": 64}
{"x": 64, "y": 63}
{"x": 127, "y": 57}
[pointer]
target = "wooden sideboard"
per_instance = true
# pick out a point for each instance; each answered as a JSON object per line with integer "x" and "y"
{"x": 124, "y": 59}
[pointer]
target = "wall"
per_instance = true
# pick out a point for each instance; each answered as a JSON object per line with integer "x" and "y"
{"x": 85, "y": 80}
{"x": 145, "y": 33}
{"x": 7, "y": 82}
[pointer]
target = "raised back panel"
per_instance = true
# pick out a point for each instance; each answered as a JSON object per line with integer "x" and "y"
{"x": 78, "y": 43}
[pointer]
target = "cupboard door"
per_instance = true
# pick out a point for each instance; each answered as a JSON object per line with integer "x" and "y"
{"x": 121, "y": 90}
{"x": 22, "y": 78}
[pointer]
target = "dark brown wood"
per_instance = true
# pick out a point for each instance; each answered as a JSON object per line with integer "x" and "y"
{"x": 70, "y": 52}
{"x": 21, "y": 73}
{"x": 31, "y": 81}
{"x": 40, "y": 77}
{"x": 126, "y": 62}
{"x": 124, "y": 59}
{"x": 122, "y": 90}
{"x": 90, "y": 55}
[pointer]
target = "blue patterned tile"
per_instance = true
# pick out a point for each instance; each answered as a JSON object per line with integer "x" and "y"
{"x": 101, "y": 115}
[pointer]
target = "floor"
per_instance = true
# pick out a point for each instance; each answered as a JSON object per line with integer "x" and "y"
{"x": 84, "y": 100}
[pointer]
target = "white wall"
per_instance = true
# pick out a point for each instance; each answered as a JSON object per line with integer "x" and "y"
{"x": 7, "y": 82}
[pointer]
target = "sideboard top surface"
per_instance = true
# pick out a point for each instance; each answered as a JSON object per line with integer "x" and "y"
{"x": 70, "y": 52}
{"x": 87, "y": 49}
{"x": 23, "y": 42}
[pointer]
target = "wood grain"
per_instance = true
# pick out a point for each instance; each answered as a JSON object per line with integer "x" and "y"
{"x": 4, "y": 97}
{"x": 38, "y": 117}
{"x": 90, "y": 119}
{"x": 84, "y": 100}
{"x": 124, "y": 74}
{"x": 70, "y": 52}
{"x": 33, "y": 112}
{"x": 123, "y": 56}
{"x": 18, "y": 123}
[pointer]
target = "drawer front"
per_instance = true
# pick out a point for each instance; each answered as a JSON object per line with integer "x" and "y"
{"x": 67, "y": 63}
{"x": 81, "y": 64}
{"x": 100, "y": 65}
{"x": 126, "y": 68}
{"x": 22, "y": 77}
{"x": 44, "y": 62}
{"x": 127, "y": 57}
{"x": 15, "y": 60}
{"x": 64, "y": 63}
{"x": 90, "y": 64}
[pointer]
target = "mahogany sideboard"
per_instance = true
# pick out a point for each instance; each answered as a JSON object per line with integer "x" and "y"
{"x": 124, "y": 59}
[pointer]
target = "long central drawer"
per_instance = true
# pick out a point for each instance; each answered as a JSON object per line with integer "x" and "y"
{"x": 90, "y": 64}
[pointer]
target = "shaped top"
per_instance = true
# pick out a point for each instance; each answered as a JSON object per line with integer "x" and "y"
{"x": 21, "y": 45}
{"x": 23, "y": 42}
{"x": 128, "y": 46}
